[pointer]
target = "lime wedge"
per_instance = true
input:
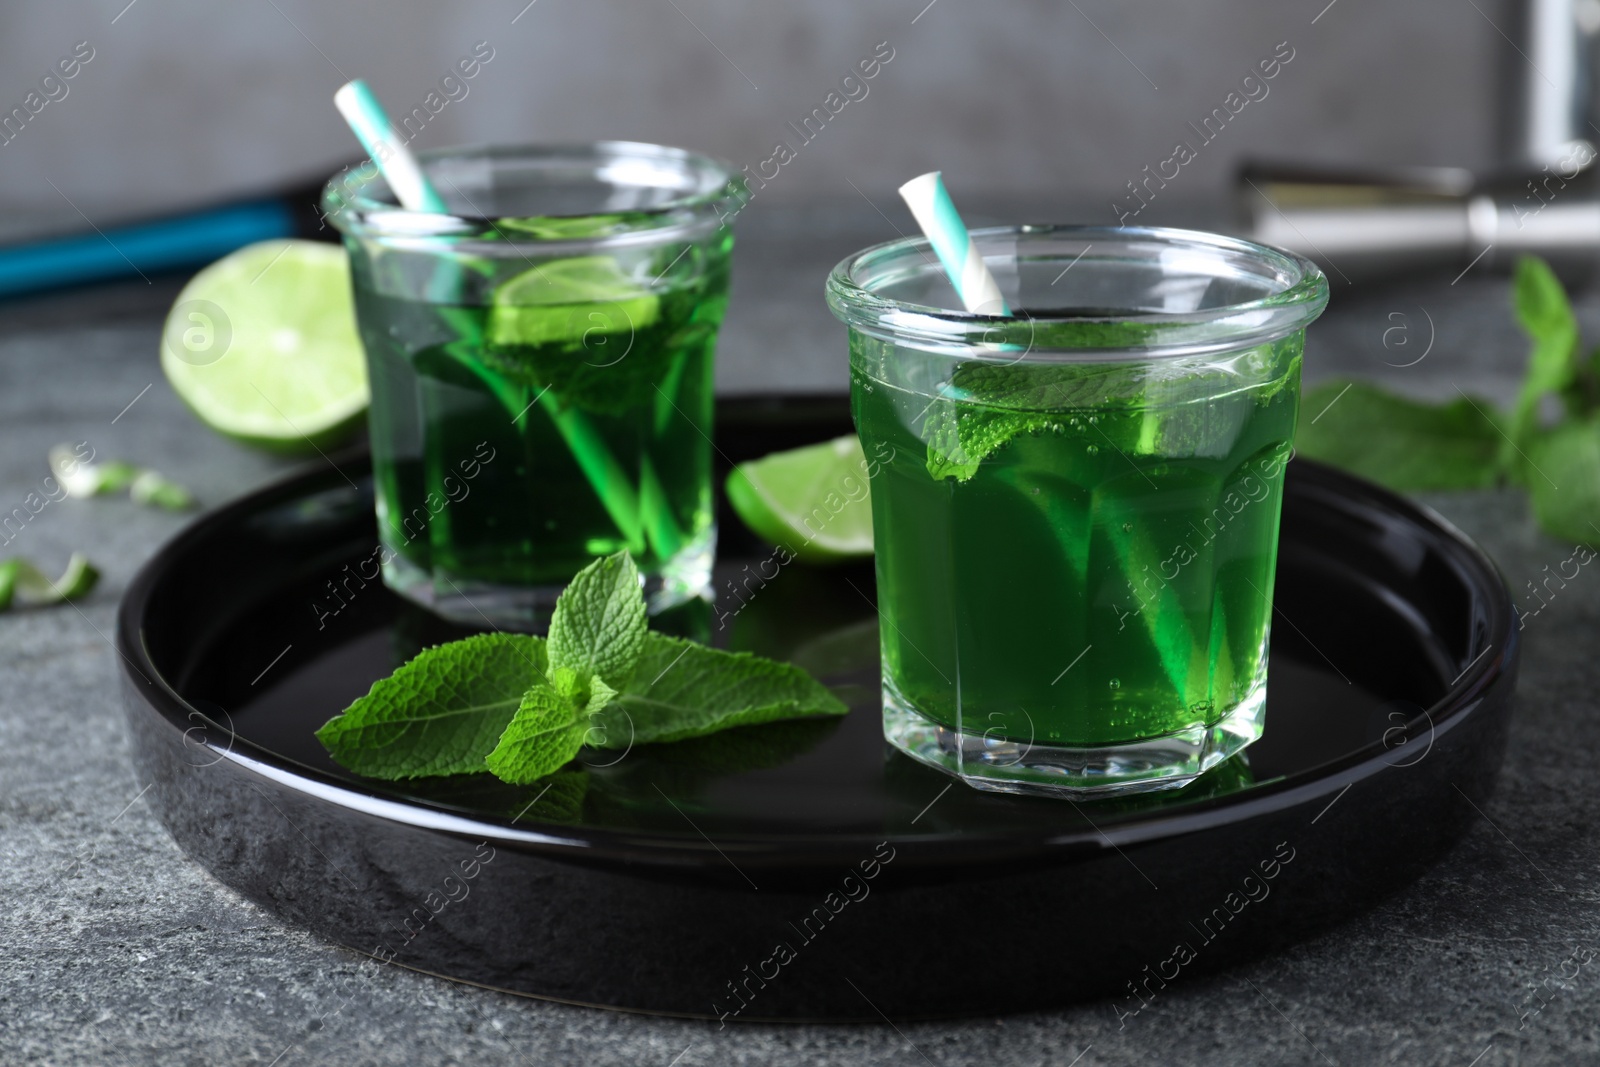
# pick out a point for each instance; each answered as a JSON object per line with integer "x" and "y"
{"x": 812, "y": 500}
{"x": 262, "y": 345}
{"x": 570, "y": 301}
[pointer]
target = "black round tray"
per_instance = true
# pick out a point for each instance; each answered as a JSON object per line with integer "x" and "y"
{"x": 806, "y": 870}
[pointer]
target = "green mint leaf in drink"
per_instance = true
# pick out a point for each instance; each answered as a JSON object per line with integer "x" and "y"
{"x": 682, "y": 690}
{"x": 24, "y": 585}
{"x": 440, "y": 713}
{"x": 1124, "y": 484}
{"x": 1403, "y": 444}
{"x": 987, "y": 404}
{"x": 549, "y": 727}
{"x": 812, "y": 501}
{"x": 1563, "y": 481}
{"x": 598, "y": 626}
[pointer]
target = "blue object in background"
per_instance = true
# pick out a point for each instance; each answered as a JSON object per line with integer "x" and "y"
{"x": 145, "y": 248}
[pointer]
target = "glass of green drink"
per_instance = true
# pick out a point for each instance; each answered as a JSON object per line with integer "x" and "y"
{"x": 541, "y": 369}
{"x": 1075, "y": 508}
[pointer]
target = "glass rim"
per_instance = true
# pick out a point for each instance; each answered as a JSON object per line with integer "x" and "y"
{"x": 346, "y": 205}
{"x": 1229, "y": 327}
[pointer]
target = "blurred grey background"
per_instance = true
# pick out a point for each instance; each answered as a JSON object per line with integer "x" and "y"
{"x": 1037, "y": 110}
{"x": 1059, "y": 102}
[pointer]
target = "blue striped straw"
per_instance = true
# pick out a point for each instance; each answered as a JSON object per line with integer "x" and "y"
{"x": 930, "y": 203}
{"x": 373, "y": 129}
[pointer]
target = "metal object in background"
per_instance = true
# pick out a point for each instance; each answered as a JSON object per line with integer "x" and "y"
{"x": 1376, "y": 223}
{"x": 1554, "y": 109}
{"x": 1372, "y": 224}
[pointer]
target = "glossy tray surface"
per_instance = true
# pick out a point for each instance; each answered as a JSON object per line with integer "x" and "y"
{"x": 744, "y": 875}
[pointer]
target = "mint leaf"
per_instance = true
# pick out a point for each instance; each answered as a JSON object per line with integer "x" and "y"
{"x": 548, "y": 728}
{"x": 1140, "y": 408}
{"x": 440, "y": 713}
{"x": 1564, "y": 481}
{"x": 1400, "y": 443}
{"x": 598, "y": 626}
{"x": 683, "y": 689}
{"x": 1546, "y": 316}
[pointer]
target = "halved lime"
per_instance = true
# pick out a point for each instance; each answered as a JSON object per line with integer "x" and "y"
{"x": 570, "y": 301}
{"x": 812, "y": 500}
{"x": 262, "y": 345}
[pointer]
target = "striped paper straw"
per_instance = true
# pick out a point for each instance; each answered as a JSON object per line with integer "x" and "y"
{"x": 925, "y": 195}
{"x": 372, "y": 128}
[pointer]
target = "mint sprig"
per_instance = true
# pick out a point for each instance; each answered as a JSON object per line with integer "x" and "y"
{"x": 522, "y": 707}
{"x": 1467, "y": 443}
{"x": 685, "y": 690}
{"x": 440, "y": 713}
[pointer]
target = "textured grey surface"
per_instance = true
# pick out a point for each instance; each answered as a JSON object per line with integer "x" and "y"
{"x": 118, "y": 950}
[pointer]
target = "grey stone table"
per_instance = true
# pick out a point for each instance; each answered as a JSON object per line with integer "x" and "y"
{"x": 116, "y": 949}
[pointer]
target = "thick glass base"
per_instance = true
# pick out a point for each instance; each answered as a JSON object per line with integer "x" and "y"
{"x": 474, "y": 602}
{"x": 999, "y": 766}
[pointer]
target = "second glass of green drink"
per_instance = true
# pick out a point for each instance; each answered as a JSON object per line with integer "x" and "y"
{"x": 1075, "y": 508}
{"x": 541, "y": 369}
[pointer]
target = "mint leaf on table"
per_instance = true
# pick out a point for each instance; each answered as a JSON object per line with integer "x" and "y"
{"x": 440, "y": 713}
{"x": 683, "y": 690}
{"x": 1403, "y": 444}
{"x": 549, "y": 727}
{"x": 1545, "y": 314}
{"x": 598, "y": 626}
{"x": 1564, "y": 480}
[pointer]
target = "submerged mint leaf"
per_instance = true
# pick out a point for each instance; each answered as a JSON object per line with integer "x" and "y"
{"x": 548, "y": 729}
{"x": 683, "y": 689}
{"x": 1563, "y": 481}
{"x": 1139, "y": 408}
{"x": 1403, "y": 444}
{"x": 598, "y": 625}
{"x": 440, "y": 713}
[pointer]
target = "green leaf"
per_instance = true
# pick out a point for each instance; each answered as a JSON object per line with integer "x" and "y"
{"x": 1564, "y": 481}
{"x": 1542, "y": 308}
{"x": 547, "y": 730}
{"x": 1401, "y": 443}
{"x": 440, "y": 713}
{"x": 1160, "y": 406}
{"x": 598, "y": 625}
{"x": 24, "y": 585}
{"x": 683, "y": 689}
{"x": 1545, "y": 314}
